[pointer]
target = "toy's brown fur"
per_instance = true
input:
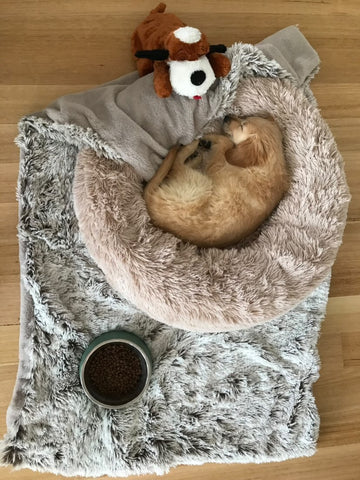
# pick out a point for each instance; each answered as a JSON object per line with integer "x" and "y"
{"x": 241, "y": 182}
{"x": 156, "y": 32}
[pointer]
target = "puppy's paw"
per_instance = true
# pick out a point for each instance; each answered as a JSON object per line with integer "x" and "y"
{"x": 211, "y": 137}
{"x": 205, "y": 143}
{"x": 186, "y": 151}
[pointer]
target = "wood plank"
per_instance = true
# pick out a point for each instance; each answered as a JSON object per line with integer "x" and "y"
{"x": 336, "y": 61}
{"x": 340, "y": 101}
{"x": 100, "y": 44}
{"x": 9, "y": 255}
{"x": 350, "y": 342}
{"x": 113, "y": 7}
{"x": 346, "y": 270}
{"x": 9, "y": 346}
{"x": 8, "y": 223}
{"x": 352, "y": 170}
{"x": 7, "y": 383}
{"x": 10, "y": 298}
{"x": 342, "y": 315}
{"x": 21, "y": 100}
{"x": 8, "y": 180}
{"x": 9, "y": 152}
{"x": 345, "y": 130}
{"x": 337, "y": 392}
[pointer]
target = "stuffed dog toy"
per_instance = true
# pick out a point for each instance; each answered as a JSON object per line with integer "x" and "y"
{"x": 180, "y": 56}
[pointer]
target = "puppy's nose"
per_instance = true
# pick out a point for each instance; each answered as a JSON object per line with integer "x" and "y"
{"x": 227, "y": 119}
{"x": 198, "y": 77}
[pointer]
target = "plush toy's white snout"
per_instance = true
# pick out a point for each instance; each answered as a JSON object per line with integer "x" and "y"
{"x": 191, "y": 78}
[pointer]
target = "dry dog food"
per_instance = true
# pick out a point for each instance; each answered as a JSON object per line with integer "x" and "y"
{"x": 114, "y": 370}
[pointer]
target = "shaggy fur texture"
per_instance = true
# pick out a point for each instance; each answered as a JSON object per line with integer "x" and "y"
{"x": 218, "y": 290}
{"x": 241, "y": 396}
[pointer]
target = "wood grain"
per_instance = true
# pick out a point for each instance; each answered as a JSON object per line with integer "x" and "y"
{"x": 51, "y": 48}
{"x": 345, "y": 278}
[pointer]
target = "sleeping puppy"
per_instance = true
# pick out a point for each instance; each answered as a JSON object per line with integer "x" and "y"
{"x": 216, "y": 191}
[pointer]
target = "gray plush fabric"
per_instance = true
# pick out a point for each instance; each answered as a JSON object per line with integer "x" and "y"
{"x": 293, "y": 52}
{"x": 223, "y": 397}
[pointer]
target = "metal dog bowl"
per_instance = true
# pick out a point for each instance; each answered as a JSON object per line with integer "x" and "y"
{"x": 115, "y": 369}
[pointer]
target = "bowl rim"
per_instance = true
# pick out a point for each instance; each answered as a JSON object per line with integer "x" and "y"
{"x": 91, "y": 350}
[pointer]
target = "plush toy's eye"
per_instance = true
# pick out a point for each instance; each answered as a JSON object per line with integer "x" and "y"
{"x": 155, "y": 55}
{"x": 217, "y": 48}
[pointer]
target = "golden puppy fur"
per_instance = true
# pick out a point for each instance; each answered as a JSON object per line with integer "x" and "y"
{"x": 218, "y": 190}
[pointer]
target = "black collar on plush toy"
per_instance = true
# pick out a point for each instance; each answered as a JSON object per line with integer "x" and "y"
{"x": 153, "y": 54}
{"x": 162, "y": 54}
{"x": 217, "y": 48}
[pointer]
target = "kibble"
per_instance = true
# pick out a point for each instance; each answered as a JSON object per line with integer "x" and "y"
{"x": 114, "y": 370}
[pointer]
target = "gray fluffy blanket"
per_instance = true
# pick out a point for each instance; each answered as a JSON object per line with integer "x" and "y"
{"x": 223, "y": 397}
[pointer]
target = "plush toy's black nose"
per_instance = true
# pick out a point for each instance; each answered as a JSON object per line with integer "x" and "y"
{"x": 227, "y": 119}
{"x": 198, "y": 77}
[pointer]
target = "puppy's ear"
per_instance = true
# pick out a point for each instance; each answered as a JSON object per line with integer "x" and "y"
{"x": 248, "y": 153}
{"x": 258, "y": 150}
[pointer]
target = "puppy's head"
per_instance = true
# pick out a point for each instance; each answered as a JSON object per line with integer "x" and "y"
{"x": 240, "y": 129}
{"x": 255, "y": 137}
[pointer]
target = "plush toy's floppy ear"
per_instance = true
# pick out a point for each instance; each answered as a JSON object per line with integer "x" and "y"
{"x": 162, "y": 83}
{"x": 217, "y": 48}
{"x": 220, "y": 64}
{"x": 155, "y": 55}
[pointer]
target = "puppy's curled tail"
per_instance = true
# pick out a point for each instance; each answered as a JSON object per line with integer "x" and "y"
{"x": 159, "y": 9}
{"x": 161, "y": 174}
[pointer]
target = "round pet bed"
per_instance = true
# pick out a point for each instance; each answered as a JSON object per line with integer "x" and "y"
{"x": 223, "y": 289}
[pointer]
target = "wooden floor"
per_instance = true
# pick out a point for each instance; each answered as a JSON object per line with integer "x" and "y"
{"x": 49, "y": 48}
